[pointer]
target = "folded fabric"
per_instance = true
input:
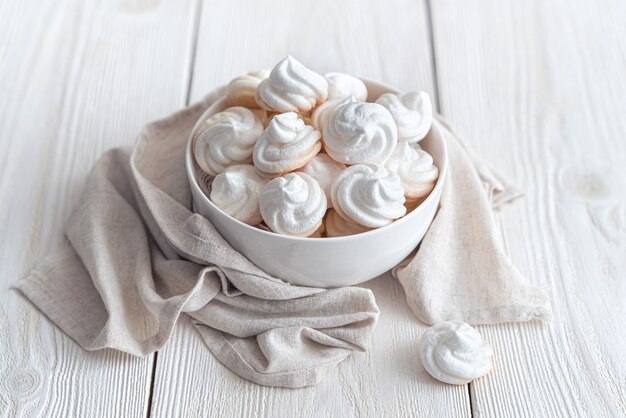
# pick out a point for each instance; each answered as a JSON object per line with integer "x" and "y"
{"x": 460, "y": 270}
{"x": 139, "y": 258}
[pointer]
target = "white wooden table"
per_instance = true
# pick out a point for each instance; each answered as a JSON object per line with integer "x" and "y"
{"x": 537, "y": 87}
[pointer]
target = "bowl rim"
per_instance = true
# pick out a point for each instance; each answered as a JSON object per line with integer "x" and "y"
{"x": 189, "y": 165}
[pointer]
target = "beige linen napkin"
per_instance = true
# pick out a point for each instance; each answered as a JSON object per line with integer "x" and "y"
{"x": 139, "y": 257}
{"x": 460, "y": 270}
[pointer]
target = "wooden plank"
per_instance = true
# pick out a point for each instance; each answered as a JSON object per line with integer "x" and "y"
{"x": 387, "y": 42}
{"x": 384, "y": 41}
{"x": 75, "y": 79}
{"x": 539, "y": 90}
{"x": 388, "y": 380}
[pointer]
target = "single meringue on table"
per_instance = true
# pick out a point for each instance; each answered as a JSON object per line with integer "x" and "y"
{"x": 325, "y": 170}
{"x": 291, "y": 87}
{"x": 412, "y": 111}
{"x": 226, "y": 138}
{"x": 336, "y": 226}
{"x": 360, "y": 133}
{"x": 341, "y": 85}
{"x": 455, "y": 353}
{"x": 237, "y": 190}
{"x": 286, "y": 145}
{"x": 241, "y": 91}
{"x": 293, "y": 204}
{"x": 415, "y": 168}
{"x": 369, "y": 195}
{"x": 323, "y": 112}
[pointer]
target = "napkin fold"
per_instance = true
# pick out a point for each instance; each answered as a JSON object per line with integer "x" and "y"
{"x": 460, "y": 270}
{"x": 139, "y": 258}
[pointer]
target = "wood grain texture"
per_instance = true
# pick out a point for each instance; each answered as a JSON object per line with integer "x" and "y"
{"x": 352, "y": 36}
{"x": 538, "y": 89}
{"x": 355, "y": 37}
{"x": 75, "y": 79}
{"x": 388, "y": 380}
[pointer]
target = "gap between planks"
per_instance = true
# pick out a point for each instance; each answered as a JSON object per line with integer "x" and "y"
{"x": 433, "y": 57}
{"x": 192, "y": 60}
{"x": 439, "y": 109}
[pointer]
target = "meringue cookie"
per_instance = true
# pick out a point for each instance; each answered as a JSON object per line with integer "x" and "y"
{"x": 323, "y": 112}
{"x": 412, "y": 204}
{"x": 325, "y": 170}
{"x": 291, "y": 87}
{"x": 286, "y": 144}
{"x": 271, "y": 115}
{"x": 241, "y": 91}
{"x": 293, "y": 204}
{"x": 360, "y": 133}
{"x": 205, "y": 180}
{"x": 455, "y": 353}
{"x": 226, "y": 138}
{"x": 319, "y": 232}
{"x": 369, "y": 195}
{"x": 263, "y": 227}
{"x": 415, "y": 168}
{"x": 237, "y": 190}
{"x": 336, "y": 226}
{"x": 341, "y": 85}
{"x": 412, "y": 112}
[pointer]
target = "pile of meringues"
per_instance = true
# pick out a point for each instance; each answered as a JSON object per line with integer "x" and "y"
{"x": 304, "y": 154}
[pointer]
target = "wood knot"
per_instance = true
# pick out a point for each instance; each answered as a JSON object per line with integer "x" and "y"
{"x": 610, "y": 220}
{"x": 586, "y": 182}
{"x": 23, "y": 382}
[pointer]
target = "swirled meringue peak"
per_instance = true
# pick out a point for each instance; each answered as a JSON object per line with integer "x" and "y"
{"x": 412, "y": 112}
{"x": 286, "y": 145}
{"x": 360, "y": 133}
{"x": 369, "y": 195}
{"x": 241, "y": 91}
{"x": 336, "y": 226}
{"x": 341, "y": 85}
{"x": 293, "y": 204}
{"x": 455, "y": 353}
{"x": 226, "y": 138}
{"x": 323, "y": 112}
{"x": 237, "y": 190}
{"x": 291, "y": 87}
{"x": 415, "y": 168}
{"x": 325, "y": 170}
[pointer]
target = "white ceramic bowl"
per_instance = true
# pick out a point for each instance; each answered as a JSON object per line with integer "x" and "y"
{"x": 327, "y": 262}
